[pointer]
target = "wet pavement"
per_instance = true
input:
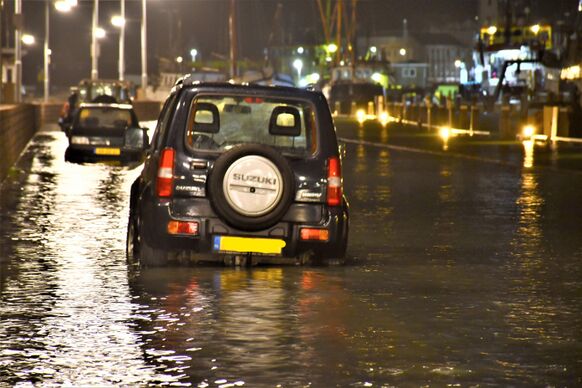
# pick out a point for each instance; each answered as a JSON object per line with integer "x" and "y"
{"x": 465, "y": 269}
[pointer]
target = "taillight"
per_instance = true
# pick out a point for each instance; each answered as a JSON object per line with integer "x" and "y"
{"x": 314, "y": 234}
{"x": 183, "y": 227}
{"x": 165, "y": 179}
{"x": 334, "y": 182}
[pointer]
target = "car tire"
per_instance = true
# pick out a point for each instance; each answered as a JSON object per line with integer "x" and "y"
{"x": 277, "y": 187}
{"x": 132, "y": 242}
{"x": 139, "y": 252}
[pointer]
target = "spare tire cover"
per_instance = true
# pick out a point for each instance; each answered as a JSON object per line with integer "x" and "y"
{"x": 251, "y": 186}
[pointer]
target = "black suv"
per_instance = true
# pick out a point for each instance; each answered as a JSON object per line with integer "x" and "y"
{"x": 240, "y": 174}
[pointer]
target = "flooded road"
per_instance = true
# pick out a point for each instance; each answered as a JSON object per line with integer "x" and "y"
{"x": 462, "y": 272}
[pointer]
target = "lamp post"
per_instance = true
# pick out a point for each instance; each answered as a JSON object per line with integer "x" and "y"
{"x": 119, "y": 21}
{"x": 94, "y": 48}
{"x": 144, "y": 57}
{"x": 17, "y": 51}
{"x": 61, "y": 6}
{"x": 46, "y": 50}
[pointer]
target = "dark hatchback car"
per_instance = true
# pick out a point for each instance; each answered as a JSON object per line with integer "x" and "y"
{"x": 240, "y": 174}
{"x": 106, "y": 132}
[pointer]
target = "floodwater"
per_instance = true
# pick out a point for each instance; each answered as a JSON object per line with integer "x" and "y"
{"x": 461, "y": 272}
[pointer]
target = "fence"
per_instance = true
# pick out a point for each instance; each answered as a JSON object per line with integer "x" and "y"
{"x": 505, "y": 120}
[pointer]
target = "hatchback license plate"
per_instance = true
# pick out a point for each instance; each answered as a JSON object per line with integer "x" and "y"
{"x": 107, "y": 151}
{"x": 267, "y": 246}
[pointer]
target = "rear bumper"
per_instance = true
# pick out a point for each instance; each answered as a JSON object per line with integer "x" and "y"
{"x": 82, "y": 153}
{"x": 155, "y": 218}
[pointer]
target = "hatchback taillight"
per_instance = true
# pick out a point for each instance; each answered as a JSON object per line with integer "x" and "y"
{"x": 334, "y": 182}
{"x": 165, "y": 179}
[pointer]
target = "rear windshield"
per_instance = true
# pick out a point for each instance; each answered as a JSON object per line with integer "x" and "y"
{"x": 218, "y": 123}
{"x": 104, "y": 118}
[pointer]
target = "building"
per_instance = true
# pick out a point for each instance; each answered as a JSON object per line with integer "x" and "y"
{"x": 435, "y": 57}
{"x": 7, "y": 75}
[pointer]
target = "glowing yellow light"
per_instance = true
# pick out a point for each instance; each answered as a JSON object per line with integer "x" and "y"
{"x": 528, "y": 131}
{"x": 100, "y": 33}
{"x": 28, "y": 39}
{"x": 445, "y": 133}
{"x": 384, "y": 118}
{"x": 403, "y": 51}
{"x": 361, "y": 116}
{"x": 63, "y": 6}
{"x": 332, "y": 48}
{"x": 535, "y": 28}
{"x": 570, "y": 73}
{"x": 492, "y": 30}
{"x": 118, "y": 21}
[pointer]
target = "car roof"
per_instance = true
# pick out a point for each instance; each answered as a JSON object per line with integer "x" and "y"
{"x": 104, "y": 105}
{"x": 290, "y": 91}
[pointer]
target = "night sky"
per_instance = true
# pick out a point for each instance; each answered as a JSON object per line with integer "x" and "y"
{"x": 176, "y": 26}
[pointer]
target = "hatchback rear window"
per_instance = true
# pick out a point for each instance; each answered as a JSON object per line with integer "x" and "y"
{"x": 104, "y": 118}
{"x": 220, "y": 122}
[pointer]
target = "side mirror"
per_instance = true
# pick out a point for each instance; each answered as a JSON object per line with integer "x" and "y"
{"x": 146, "y": 139}
{"x": 137, "y": 138}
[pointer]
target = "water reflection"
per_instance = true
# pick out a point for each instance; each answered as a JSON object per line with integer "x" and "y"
{"x": 528, "y": 157}
{"x": 261, "y": 326}
{"x": 533, "y": 311}
{"x": 69, "y": 301}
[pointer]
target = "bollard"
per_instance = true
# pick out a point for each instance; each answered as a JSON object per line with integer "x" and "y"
{"x": 370, "y": 108}
{"x": 353, "y": 109}
{"x": 462, "y": 117}
{"x": 428, "y": 104}
{"x": 449, "y": 105}
{"x": 379, "y": 102}
{"x": 337, "y": 108}
{"x": 564, "y": 128}
{"x": 473, "y": 117}
{"x": 505, "y": 120}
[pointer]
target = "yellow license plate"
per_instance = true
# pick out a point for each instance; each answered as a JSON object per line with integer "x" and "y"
{"x": 267, "y": 246}
{"x": 107, "y": 151}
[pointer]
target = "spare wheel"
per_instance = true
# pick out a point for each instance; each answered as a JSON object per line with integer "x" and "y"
{"x": 251, "y": 186}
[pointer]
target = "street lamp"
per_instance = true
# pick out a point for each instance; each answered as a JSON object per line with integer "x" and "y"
{"x": 118, "y": 21}
{"x": 535, "y": 29}
{"x": 63, "y": 6}
{"x": 28, "y": 39}
{"x": 193, "y": 54}
{"x": 332, "y": 48}
{"x": 100, "y": 33}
